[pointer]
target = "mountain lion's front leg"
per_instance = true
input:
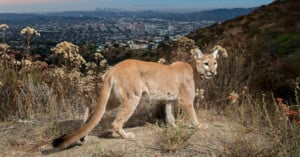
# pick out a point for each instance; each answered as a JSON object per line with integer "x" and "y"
{"x": 190, "y": 110}
{"x": 187, "y": 96}
{"x": 169, "y": 114}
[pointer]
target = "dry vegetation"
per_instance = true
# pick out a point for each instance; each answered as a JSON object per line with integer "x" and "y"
{"x": 34, "y": 94}
{"x": 245, "y": 111}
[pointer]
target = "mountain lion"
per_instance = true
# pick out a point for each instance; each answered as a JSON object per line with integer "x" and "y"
{"x": 129, "y": 80}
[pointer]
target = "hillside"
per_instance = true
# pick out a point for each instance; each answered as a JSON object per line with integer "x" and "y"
{"x": 268, "y": 39}
{"x": 279, "y": 16}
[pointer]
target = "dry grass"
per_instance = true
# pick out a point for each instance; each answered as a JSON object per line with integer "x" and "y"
{"x": 172, "y": 139}
{"x": 28, "y": 93}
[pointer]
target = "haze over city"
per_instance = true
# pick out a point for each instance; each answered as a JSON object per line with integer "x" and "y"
{"x": 28, "y": 6}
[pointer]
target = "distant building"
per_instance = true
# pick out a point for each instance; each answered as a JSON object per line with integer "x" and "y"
{"x": 150, "y": 29}
{"x": 140, "y": 29}
{"x": 137, "y": 46}
{"x": 100, "y": 48}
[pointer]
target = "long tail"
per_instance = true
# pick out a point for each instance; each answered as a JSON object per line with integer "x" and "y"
{"x": 66, "y": 141}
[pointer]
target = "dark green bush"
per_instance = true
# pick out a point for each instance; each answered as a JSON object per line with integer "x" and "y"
{"x": 287, "y": 44}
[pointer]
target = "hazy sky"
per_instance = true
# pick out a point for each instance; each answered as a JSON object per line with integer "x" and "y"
{"x": 20, "y": 6}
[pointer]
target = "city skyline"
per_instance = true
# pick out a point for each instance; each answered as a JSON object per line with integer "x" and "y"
{"x": 33, "y": 6}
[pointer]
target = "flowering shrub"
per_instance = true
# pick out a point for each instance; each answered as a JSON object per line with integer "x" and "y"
{"x": 26, "y": 62}
{"x": 103, "y": 63}
{"x": 28, "y": 34}
{"x": 4, "y": 27}
{"x": 90, "y": 65}
{"x": 5, "y": 56}
{"x": 3, "y": 48}
{"x": 220, "y": 48}
{"x": 98, "y": 56}
{"x": 161, "y": 61}
{"x": 100, "y": 60}
{"x": 291, "y": 114}
{"x": 68, "y": 52}
{"x": 29, "y": 87}
{"x": 28, "y": 31}
{"x": 233, "y": 97}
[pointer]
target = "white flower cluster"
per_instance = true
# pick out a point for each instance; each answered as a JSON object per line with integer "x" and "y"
{"x": 103, "y": 62}
{"x": 200, "y": 93}
{"x": 3, "y": 48}
{"x": 98, "y": 56}
{"x": 17, "y": 63}
{"x": 100, "y": 59}
{"x": 69, "y": 52}
{"x": 90, "y": 65}
{"x": 40, "y": 64}
{"x": 26, "y": 62}
{"x": 185, "y": 42}
{"x": 65, "y": 48}
{"x": 77, "y": 60}
{"x": 233, "y": 97}
{"x": 161, "y": 61}
{"x": 29, "y": 31}
{"x": 223, "y": 50}
{"x": 5, "y": 56}
{"x": 90, "y": 73}
{"x": 74, "y": 75}
{"x": 58, "y": 73}
{"x": 4, "y": 26}
{"x": 86, "y": 84}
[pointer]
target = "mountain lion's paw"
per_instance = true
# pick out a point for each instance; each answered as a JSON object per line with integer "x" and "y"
{"x": 202, "y": 126}
{"x": 130, "y": 135}
{"x": 115, "y": 134}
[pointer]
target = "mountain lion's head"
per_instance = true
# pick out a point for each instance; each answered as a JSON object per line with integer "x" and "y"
{"x": 206, "y": 64}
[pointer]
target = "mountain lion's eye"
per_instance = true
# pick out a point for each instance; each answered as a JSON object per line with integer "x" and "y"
{"x": 215, "y": 63}
{"x": 206, "y": 64}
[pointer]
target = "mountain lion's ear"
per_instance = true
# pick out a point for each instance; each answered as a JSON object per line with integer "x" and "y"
{"x": 197, "y": 53}
{"x": 215, "y": 53}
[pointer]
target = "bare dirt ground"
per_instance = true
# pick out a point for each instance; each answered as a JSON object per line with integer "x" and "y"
{"x": 33, "y": 138}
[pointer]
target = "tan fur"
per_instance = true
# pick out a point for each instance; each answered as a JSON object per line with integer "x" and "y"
{"x": 131, "y": 79}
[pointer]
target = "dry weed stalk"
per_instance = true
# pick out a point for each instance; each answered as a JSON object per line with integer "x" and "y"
{"x": 28, "y": 34}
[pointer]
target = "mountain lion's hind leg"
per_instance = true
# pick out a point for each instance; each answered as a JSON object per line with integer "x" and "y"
{"x": 127, "y": 108}
{"x": 86, "y": 116}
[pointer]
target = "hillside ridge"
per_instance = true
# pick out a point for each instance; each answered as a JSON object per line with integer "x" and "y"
{"x": 268, "y": 38}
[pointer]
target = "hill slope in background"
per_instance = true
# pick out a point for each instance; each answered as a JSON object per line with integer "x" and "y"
{"x": 211, "y": 15}
{"x": 267, "y": 40}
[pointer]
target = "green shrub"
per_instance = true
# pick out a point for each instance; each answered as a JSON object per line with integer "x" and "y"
{"x": 287, "y": 44}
